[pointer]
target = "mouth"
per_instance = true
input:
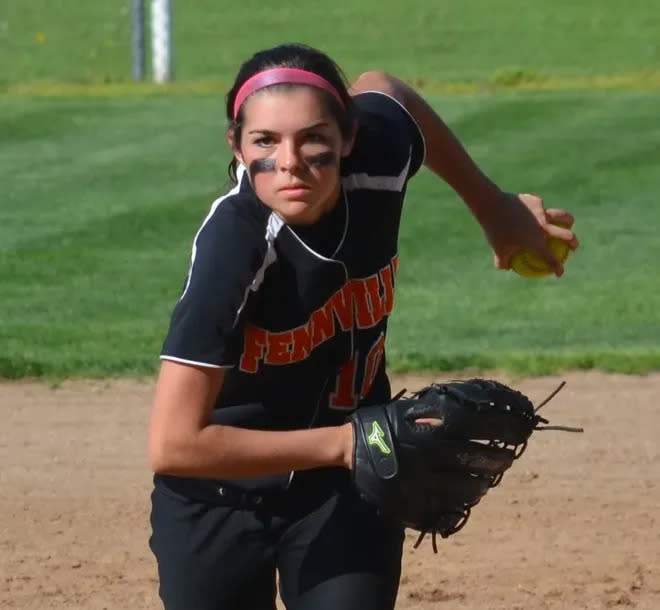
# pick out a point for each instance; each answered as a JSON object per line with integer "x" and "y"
{"x": 294, "y": 191}
{"x": 300, "y": 186}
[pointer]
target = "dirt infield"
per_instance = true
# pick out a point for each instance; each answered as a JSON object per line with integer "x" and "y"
{"x": 575, "y": 523}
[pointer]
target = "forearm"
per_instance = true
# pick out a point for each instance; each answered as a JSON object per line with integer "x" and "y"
{"x": 445, "y": 155}
{"x": 183, "y": 441}
{"x": 228, "y": 452}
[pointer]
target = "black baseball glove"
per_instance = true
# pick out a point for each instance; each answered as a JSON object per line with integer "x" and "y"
{"x": 426, "y": 460}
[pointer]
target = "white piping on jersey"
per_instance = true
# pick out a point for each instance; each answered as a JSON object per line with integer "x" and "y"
{"x": 412, "y": 118}
{"x": 341, "y": 241}
{"x": 214, "y": 207}
{"x": 377, "y": 183}
{"x": 205, "y": 364}
{"x": 275, "y": 224}
{"x": 343, "y": 237}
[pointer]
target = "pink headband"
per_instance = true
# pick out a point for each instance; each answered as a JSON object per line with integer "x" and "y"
{"x": 277, "y": 76}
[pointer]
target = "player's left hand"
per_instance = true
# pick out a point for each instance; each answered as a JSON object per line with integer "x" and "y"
{"x": 521, "y": 221}
{"x": 428, "y": 459}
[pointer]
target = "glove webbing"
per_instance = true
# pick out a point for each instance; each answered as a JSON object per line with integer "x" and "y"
{"x": 445, "y": 533}
{"x": 496, "y": 479}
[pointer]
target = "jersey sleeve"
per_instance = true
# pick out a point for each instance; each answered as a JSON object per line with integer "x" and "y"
{"x": 206, "y": 327}
{"x": 390, "y": 135}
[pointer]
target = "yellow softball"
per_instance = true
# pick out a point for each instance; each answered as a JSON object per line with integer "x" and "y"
{"x": 529, "y": 264}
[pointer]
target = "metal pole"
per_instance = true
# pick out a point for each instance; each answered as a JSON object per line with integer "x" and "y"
{"x": 139, "y": 60}
{"x": 161, "y": 40}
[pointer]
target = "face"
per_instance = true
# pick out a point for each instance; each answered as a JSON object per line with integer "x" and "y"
{"x": 292, "y": 146}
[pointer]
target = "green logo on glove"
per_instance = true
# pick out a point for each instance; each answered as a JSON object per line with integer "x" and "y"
{"x": 376, "y": 438}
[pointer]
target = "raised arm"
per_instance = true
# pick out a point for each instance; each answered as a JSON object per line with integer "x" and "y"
{"x": 510, "y": 221}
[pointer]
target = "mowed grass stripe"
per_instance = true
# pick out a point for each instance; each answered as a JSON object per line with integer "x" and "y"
{"x": 73, "y": 162}
{"x": 593, "y": 154}
{"x": 475, "y": 40}
{"x": 94, "y": 254}
{"x": 507, "y": 79}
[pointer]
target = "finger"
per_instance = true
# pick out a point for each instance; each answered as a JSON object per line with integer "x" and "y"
{"x": 431, "y": 421}
{"x": 534, "y": 204}
{"x": 531, "y": 199}
{"x": 563, "y": 234}
{"x": 551, "y": 260}
{"x": 558, "y": 216}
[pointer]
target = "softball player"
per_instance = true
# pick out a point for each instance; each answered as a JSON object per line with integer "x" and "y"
{"x": 280, "y": 332}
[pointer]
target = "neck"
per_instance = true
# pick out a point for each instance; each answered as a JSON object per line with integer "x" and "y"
{"x": 333, "y": 198}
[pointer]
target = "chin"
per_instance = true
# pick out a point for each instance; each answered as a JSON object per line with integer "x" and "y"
{"x": 306, "y": 217}
{"x": 300, "y": 212}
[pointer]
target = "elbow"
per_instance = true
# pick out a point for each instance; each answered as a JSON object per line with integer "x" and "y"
{"x": 160, "y": 460}
{"x": 376, "y": 80}
{"x": 168, "y": 456}
{"x": 374, "y": 76}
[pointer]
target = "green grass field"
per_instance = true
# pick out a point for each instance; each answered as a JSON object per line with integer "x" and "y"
{"x": 103, "y": 193}
{"x": 433, "y": 42}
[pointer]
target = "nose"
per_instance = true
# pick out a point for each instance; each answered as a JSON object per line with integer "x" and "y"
{"x": 288, "y": 158}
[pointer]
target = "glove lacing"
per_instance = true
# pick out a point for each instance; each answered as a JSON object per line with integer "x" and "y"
{"x": 518, "y": 450}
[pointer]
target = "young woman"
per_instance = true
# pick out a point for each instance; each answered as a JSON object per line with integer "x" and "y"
{"x": 280, "y": 333}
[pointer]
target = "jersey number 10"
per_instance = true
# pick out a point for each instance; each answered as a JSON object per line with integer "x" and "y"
{"x": 346, "y": 395}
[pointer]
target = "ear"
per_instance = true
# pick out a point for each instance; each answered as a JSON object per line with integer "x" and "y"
{"x": 347, "y": 145}
{"x": 230, "y": 136}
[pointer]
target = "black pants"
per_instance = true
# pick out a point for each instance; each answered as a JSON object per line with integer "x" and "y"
{"x": 332, "y": 551}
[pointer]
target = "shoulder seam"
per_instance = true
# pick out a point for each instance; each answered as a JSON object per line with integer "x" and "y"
{"x": 372, "y": 182}
{"x": 415, "y": 123}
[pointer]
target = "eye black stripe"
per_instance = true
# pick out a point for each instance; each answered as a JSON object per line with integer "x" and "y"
{"x": 262, "y": 165}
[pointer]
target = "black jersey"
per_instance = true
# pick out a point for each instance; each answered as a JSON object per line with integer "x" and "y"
{"x": 298, "y": 315}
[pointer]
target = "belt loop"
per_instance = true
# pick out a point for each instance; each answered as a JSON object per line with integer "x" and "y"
{"x": 241, "y": 499}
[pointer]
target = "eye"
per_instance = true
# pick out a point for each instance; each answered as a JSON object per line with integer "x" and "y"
{"x": 264, "y": 141}
{"x": 315, "y": 138}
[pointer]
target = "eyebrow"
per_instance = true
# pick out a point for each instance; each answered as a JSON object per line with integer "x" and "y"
{"x": 269, "y": 132}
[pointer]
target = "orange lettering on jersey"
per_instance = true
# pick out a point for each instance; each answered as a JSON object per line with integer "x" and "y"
{"x": 254, "y": 342}
{"x": 372, "y": 364}
{"x": 377, "y": 303}
{"x": 302, "y": 343}
{"x": 388, "y": 289}
{"x": 323, "y": 324}
{"x": 344, "y": 395}
{"x": 363, "y": 314}
{"x": 342, "y": 305}
{"x": 278, "y": 348}
{"x": 360, "y": 303}
{"x": 395, "y": 263}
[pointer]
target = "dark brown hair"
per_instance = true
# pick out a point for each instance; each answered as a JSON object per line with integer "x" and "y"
{"x": 293, "y": 56}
